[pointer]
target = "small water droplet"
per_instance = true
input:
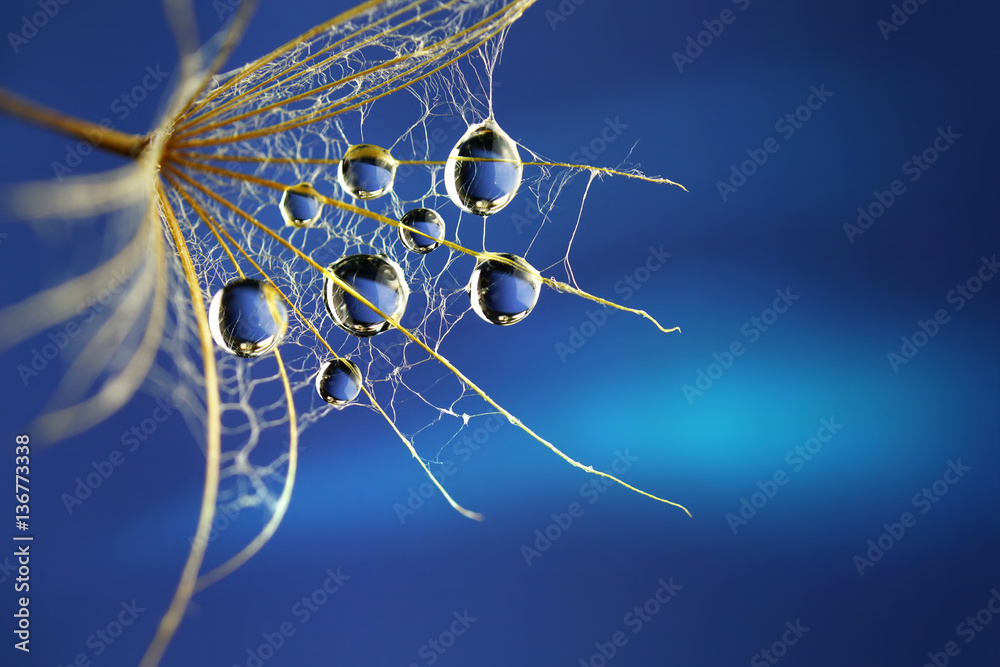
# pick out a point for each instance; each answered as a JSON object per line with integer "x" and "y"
{"x": 485, "y": 185}
{"x": 423, "y": 220}
{"x": 300, "y": 205}
{"x": 504, "y": 292}
{"x": 338, "y": 382}
{"x": 367, "y": 171}
{"x": 247, "y": 317}
{"x": 377, "y": 279}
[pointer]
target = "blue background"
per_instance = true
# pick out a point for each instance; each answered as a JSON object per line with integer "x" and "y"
{"x": 825, "y": 358}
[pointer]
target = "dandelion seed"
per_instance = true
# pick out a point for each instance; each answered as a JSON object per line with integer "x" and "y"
{"x": 292, "y": 302}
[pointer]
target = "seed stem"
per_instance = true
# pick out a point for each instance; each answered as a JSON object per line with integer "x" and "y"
{"x": 129, "y": 145}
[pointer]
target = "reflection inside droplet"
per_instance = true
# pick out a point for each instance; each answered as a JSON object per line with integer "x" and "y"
{"x": 367, "y": 171}
{"x": 483, "y": 171}
{"x": 300, "y": 205}
{"x": 247, "y": 317}
{"x": 504, "y": 288}
{"x": 423, "y": 220}
{"x": 378, "y": 280}
{"x": 338, "y": 382}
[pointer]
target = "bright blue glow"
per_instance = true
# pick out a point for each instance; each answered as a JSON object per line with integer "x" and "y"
{"x": 622, "y": 389}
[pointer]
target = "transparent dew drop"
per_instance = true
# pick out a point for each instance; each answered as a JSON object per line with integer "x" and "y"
{"x": 247, "y": 317}
{"x": 504, "y": 292}
{"x": 338, "y": 382}
{"x": 483, "y": 171}
{"x": 367, "y": 171}
{"x": 423, "y": 220}
{"x": 376, "y": 278}
{"x": 300, "y": 205}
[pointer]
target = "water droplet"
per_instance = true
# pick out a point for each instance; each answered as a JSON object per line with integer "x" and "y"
{"x": 367, "y": 171}
{"x": 504, "y": 292}
{"x": 423, "y": 220}
{"x": 377, "y": 279}
{"x": 247, "y": 317}
{"x": 300, "y": 205}
{"x": 338, "y": 382}
{"x": 486, "y": 185}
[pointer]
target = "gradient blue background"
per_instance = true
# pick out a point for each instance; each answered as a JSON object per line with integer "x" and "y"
{"x": 824, "y": 358}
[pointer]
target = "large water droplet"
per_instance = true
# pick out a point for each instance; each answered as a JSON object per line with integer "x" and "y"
{"x": 423, "y": 220}
{"x": 504, "y": 292}
{"x": 377, "y": 279}
{"x": 485, "y": 185}
{"x": 338, "y": 382}
{"x": 247, "y": 317}
{"x": 300, "y": 205}
{"x": 367, "y": 171}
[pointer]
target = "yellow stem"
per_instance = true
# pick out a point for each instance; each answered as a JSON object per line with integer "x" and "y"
{"x": 218, "y": 229}
{"x": 406, "y": 332}
{"x": 129, "y": 145}
{"x": 557, "y": 285}
{"x": 213, "y": 455}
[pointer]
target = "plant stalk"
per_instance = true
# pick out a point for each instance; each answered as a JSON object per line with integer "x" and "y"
{"x": 129, "y": 145}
